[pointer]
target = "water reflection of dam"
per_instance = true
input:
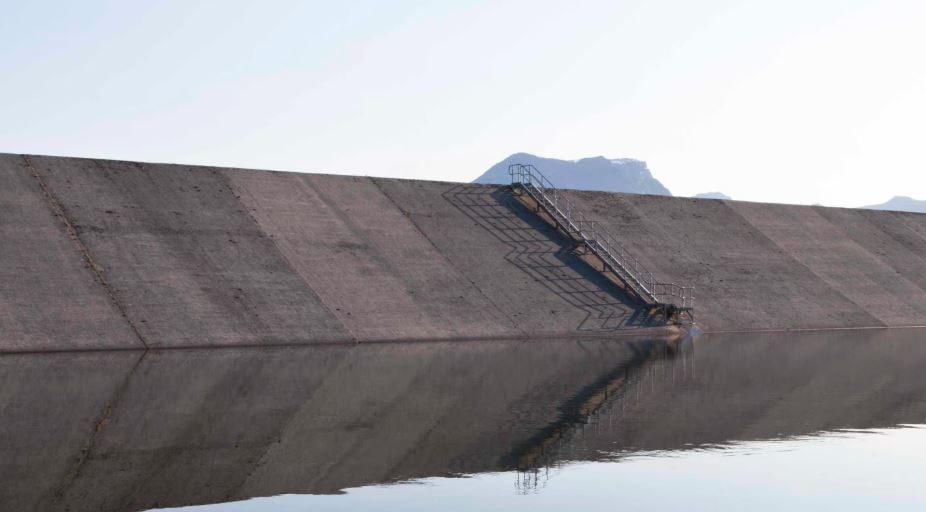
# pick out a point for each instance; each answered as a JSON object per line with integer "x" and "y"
{"x": 601, "y": 405}
{"x": 189, "y": 427}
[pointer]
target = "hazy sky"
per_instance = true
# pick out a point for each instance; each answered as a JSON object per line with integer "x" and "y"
{"x": 773, "y": 100}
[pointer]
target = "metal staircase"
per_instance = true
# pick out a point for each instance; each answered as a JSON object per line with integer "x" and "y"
{"x": 677, "y": 302}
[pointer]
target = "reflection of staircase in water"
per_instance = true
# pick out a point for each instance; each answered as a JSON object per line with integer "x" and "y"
{"x": 595, "y": 410}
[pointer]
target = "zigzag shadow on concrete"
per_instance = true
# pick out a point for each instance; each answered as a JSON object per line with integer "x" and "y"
{"x": 547, "y": 255}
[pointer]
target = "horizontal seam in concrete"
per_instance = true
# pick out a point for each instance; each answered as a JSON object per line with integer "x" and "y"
{"x": 657, "y": 332}
{"x": 58, "y": 211}
{"x": 816, "y": 329}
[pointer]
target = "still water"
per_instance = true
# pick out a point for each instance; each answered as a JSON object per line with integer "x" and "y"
{"x": 747, "y": 421}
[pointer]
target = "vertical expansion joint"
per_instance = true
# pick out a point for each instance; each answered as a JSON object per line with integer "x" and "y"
{"x": 55, "y": 205}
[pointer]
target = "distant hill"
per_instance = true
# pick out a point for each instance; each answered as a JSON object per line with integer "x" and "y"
{"x": 596, "y": 173}
{"x": 712, "y": 195}
{"x": 901, "y": 204}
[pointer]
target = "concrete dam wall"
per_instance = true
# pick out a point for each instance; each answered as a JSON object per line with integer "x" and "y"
{"x": 122, "y": 255}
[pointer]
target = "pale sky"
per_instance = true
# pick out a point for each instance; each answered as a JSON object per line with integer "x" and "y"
{"x": 775, "y": 100}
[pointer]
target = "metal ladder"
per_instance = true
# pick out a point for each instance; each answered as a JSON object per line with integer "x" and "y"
{"x": 591, "y": 234}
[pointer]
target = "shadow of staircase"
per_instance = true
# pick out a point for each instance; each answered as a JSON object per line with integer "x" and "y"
{"x": 548, "y": 256}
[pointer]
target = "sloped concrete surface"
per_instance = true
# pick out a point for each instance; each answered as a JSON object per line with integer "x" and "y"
{"x": 184, "y": 257}
{"x": 766, "y": 266}
{"x": 107, "y": 254}
{"x": 50, "y": 298}
{"x": 372, "y": 267}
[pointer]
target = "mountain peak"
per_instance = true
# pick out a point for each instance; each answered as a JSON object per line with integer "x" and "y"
{"x": 712, "y": 195}
{"x": 901, "y": 204}
{"x": 593, "y": 173}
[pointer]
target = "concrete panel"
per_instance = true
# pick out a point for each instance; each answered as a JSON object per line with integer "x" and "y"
{"x": 887, "y": 237}
{"x": 916, "y": 222}
{"x": 439, "y": 289}
{"x": 760, "y": 275}
{"x": 186, "y": 261}
{"x": 366, "y": 261}
{"x": 845, "y": 266}
{"x": 743, "y": 279}
{"x": 516, "y": 260}
{"x": 49, "y": 297}
{"x": 329, "y": 256}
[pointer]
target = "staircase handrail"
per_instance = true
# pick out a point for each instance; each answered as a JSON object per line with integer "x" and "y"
{"x": 597, "y": 238}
